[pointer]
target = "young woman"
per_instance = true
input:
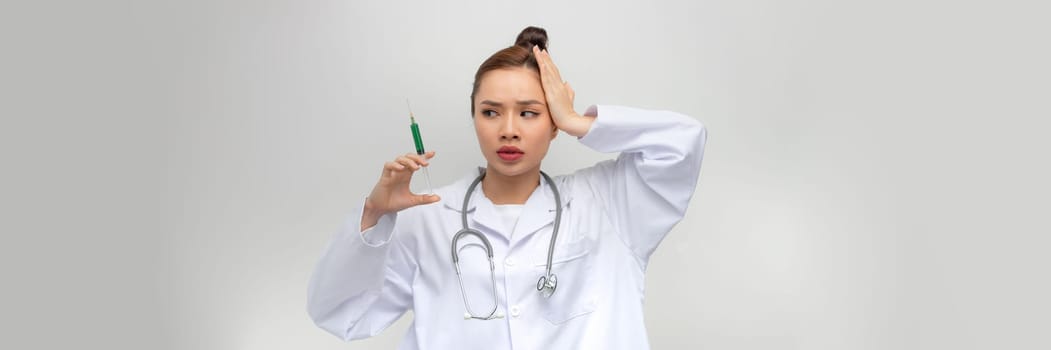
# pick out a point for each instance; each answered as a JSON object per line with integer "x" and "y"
{"x": 509, "y": 257}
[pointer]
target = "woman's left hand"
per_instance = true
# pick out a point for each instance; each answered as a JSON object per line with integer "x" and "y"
{"x": 559, "y": 97}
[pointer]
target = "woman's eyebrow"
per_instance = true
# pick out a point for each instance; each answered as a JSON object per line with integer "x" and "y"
{"x": 529, "y": 102}
{"x": 520, "y": 103}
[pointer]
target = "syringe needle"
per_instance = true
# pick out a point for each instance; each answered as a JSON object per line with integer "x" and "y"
{"x": 427, "y": 174}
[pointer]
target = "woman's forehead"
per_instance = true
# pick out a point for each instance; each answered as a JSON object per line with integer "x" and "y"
{"x": 507, "y": 86}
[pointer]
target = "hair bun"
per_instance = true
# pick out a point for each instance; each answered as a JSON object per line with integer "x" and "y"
{"x": 532, "y": 36}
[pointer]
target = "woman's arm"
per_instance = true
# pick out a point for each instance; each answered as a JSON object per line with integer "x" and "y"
{"x": 362, "y": 283}
{"x": 647, "y": 189}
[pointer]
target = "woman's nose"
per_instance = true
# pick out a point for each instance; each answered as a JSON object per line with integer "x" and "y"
{"x": 509, "y": 129}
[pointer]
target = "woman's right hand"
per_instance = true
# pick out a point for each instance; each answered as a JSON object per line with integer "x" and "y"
{"x": 391, "y": 194}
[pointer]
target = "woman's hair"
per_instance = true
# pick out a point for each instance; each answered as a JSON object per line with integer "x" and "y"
{"x": 518, "y": 55}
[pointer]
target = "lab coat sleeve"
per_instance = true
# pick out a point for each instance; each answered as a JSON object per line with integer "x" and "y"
{"x": 361, "y": 284}
{"x": 647, "y": 189}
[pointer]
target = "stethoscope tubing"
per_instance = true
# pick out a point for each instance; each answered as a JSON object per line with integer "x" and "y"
{"x": 546, "y": 285}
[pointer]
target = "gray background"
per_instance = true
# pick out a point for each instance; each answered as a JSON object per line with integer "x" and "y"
{"x": 875, "y": 176}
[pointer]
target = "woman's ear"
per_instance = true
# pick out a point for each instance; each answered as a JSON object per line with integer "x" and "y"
{"x": 554, "y": 131}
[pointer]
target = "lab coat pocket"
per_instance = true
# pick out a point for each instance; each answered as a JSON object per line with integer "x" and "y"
{"x": 574, "y": 295}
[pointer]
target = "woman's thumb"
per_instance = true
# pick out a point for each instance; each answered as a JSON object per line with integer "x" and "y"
{"x": 422, "y": 199}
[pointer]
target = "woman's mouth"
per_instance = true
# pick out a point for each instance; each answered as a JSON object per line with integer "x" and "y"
{"x": 509, "y": 153}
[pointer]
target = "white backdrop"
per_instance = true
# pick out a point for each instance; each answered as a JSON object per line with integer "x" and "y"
{"x": 875, "y": 176}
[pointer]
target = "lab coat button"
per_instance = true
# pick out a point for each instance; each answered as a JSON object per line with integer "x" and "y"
{"x": 515, "y": 311}
{"x": 509, "y": 262}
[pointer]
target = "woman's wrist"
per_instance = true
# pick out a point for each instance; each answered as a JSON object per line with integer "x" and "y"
{"x": 370, "y": 215}
{"x": 577, "y": 125}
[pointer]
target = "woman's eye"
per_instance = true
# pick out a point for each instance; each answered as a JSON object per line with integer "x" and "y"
{"x": 530, "y": 114}
{"x": 489, "y": 113}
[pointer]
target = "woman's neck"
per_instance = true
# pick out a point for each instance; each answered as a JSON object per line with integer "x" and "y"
{"x": 502, "y": 189}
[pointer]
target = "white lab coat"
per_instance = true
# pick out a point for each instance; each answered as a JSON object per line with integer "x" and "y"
{"x": 615, "y": 214}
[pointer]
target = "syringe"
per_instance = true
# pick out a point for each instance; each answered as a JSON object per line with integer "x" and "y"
{"x": 419, "y": 144}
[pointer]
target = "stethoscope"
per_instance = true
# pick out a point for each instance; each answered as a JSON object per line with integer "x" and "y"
{"x": 547, "y": 283}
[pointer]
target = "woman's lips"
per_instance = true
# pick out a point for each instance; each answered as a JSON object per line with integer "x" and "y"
{"x": 509, "y": 153}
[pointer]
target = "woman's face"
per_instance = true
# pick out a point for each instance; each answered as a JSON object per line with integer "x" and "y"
{"x": 512, "y": 121}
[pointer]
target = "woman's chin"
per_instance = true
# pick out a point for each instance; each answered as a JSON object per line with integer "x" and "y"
{"x": 509, "y": 170}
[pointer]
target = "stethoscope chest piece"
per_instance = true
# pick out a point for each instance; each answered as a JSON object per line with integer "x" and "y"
{"x": 547, "y": 284}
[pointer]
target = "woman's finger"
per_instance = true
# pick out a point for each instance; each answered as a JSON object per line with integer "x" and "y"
{"x": 548, "y": 81}
{"x": 552, "y": 67}
{"x": 420, "y": 160}
{"x": 421, "y": 199}
{"x": 391, "y": 171}
{"x": 554, "y": 83}
{"x": 540, "y": 64}
{"x": 546, "y": 77}
{"x": 408, "y": 163}
{"x": 393, "y": 166}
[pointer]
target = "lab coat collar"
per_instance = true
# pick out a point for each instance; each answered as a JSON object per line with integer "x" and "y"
{"x": 454, "y": 199}
{"x": 538, "y": 212}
